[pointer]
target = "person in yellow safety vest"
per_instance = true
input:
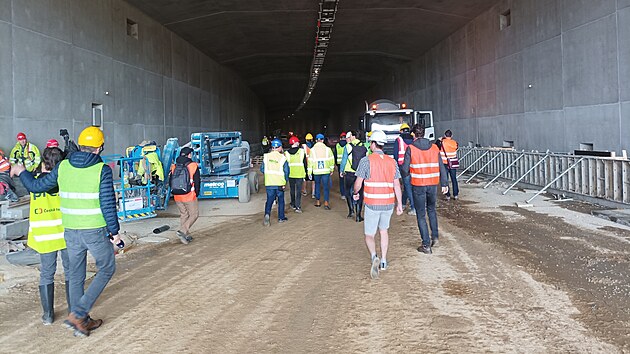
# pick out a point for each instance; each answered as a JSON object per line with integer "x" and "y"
{"x": 422, "y": 163}
{"x": 448, "y": 150}
{"x": 24, "y": 153}
{"x": 275, "y": 167}
{"x": 338, "y": 155}
{"x": 308, "y": 184}
{"x": 354, "y": 149}
{"x": 90, "y": 220}
{"x": 321, "y": 165}
{"x": 367, "y": 142}
{"x": 45, "y": 235}
{"x": 297, "y": 171}
{"x": 155, "y": 165}
{"x": 380, "y": 175}
{"x": 402, "y": 141}
{"x": 265, "y": 144}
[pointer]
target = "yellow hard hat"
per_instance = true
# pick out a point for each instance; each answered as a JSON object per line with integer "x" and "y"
{"x": 404, "y": 126}
{"x": 92, "y": 137}
{"x": 309, "y": 136}
{"x": 369, "y": 134}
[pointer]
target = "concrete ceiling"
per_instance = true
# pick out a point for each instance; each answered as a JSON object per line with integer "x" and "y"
{"x": 270, "y": 43}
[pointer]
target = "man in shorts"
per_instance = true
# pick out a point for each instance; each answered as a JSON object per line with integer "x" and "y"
{"x": 380, "y": 174}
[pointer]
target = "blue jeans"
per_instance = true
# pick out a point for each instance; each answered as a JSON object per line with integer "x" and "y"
{"x": 78, "y": 242}
{"x": 424, "y": 198}
{"x": 272, "y": 193}
{"x": 49, "y": 266}
{"x": 324, "y": 181}
{"x": 408, "y": 192}
{"x": 452, "y": 173}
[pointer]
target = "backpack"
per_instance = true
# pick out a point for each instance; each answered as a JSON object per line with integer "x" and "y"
{"x": 180, "y": 179}
{"x": 358, "y": 152}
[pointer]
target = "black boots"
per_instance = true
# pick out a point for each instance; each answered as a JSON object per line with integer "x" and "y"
{"x": 47, "y": 296}
{"x": 68, "y": 296}
{"x": 359, "y": 218}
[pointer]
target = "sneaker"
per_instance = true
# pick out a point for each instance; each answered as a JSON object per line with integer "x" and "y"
{"x": 425, "y": 249}
{"x": 189, "y": 238}
{"x": 412, "y": 212}
{"x": 448, "y": 197}
{"x": 266, "y": 222}
{"x": 326, "y": 206}
{"x": 343, "y": 197}
{"x": 304, "y": 194}
{"x": 312, "y": 196}
{"x": 292, "y": 206}
{"x": 455, "y": 197}
{"x": 374, "y": 268}
{"x": 434, "y": 242}
{"x": 282, "y": 220}
{"x": 383, "y": 265}
{"x": 182, "y": 237}
{"x": 350, "y": 215}
{"x": 298, "y": 210}
{"x": 359, "y": 218}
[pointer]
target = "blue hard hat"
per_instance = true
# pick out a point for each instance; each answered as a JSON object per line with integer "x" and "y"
{"x": 320, "y": 137}
{"x": 276, "y": 143}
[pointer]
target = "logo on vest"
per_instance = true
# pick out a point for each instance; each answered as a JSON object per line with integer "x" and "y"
{"x": 39, "y": 211}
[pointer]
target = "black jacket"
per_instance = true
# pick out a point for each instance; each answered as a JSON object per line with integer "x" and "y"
{"x": 196, "y": 176}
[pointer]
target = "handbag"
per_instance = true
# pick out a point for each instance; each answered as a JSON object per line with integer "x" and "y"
{"x": 451, "y": 163}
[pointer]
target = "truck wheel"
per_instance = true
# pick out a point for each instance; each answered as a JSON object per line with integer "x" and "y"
{"x": 253, "y": 182}
{"x": 243, "y": 190}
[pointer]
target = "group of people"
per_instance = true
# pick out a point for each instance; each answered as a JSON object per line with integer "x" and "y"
{"x": 368, "y": 177}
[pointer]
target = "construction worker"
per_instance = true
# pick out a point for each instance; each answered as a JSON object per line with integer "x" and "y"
{"x": 188, "y": 203}
{"x": 402, "y": 141}
{"x": 6, "y": 183}
{"x": 380, "y": 175}
{"x": 368, "y": 142}
{"x": 321, "y": 165}
{"x": 265, "y": 144}
{"x": 45, "y": 235}
{"x": 155, "y": 165}
{"x": 297, "y": 171}
{"x": 338, "y": 155}
{"x": 308, "y": 185}
{"x": 275, "y": 167}
{"x": 88, "y": 209}
{"x": 354, "y": 151}
{"x": 422, "y": 163}
{"x": 24, "y": 153}
{"x": 448, "y": 150}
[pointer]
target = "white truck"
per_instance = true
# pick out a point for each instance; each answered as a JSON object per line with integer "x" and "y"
{"x": 388, "y": 116}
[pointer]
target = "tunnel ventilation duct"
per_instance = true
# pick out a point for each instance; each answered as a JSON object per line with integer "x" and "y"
{"x": 325, "y": 22}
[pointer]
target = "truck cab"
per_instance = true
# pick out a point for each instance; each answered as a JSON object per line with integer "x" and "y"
{"x": 388, "y": 116}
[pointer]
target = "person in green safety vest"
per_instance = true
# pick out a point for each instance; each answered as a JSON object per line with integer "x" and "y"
{"x": 275, "y": 167}
{"x": 90, "y": 220}
{"x": 45, "y": 235}
{"x": 26, "y": 154}
{"x": 321, "y": 164}
{"x": 297, "y": 171}
{"x": 155, "y": 165}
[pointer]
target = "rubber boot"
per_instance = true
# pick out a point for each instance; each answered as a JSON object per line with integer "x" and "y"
{"x": 47, "y": 296}
{"x": 350, "y": 209}
{"x": 359, "y": 217}
{"x": 68, "y": 296}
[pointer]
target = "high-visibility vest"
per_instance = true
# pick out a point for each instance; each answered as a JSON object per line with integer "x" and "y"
{"x": 379, "y": 188}
{"x": 274, "y": 169}
{"x": 450, "y": 146}
{"x": 192, "y": 195}
{"x": 402, "y": 147}
{"x": 339, "y": 149}
{"x": 79, "y": 191}
{"x": 45, "y": 225}
{"x": 5, "y": 166}
{"x": 296, "y": 164}
{"x": 425, "y": 166}
{"x": 322, "y": 161}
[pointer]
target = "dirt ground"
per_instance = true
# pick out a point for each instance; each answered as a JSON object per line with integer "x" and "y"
{"x": 504, "y": 279}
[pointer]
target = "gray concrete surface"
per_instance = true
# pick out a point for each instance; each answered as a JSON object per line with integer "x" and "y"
{"x": 58, "y": 58}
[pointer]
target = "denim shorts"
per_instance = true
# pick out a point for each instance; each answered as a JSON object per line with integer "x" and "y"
{"x": 376, "y": 220}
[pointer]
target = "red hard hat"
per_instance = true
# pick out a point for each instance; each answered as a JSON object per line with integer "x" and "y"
{"x": 21, "y": 136}
{"x": 293, "y": 140}
{"x": 52, "y": 143}
{"x": 343, "y": 135}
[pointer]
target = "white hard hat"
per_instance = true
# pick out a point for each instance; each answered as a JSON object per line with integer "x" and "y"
{"x": 379, "y": 137}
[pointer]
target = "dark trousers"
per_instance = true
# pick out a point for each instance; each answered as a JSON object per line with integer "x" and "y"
{"x": 296, "y": 191}
{"x": 452, "y": 174}
{"x": 274, "y": 192}
{"x": 424, "y": 199}
{"x": 342, "y": 185}
{"x": 349, "y": 180}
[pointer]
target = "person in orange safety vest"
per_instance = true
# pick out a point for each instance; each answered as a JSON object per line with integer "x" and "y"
{"x": 423, "y": 163}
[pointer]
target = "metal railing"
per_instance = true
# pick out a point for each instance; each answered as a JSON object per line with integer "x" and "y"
{"x": 598, "y": 177}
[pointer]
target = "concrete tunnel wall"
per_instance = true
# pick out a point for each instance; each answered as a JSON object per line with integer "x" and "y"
{"x": 574, "y": 53}
{"x": 59, "y": 57}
